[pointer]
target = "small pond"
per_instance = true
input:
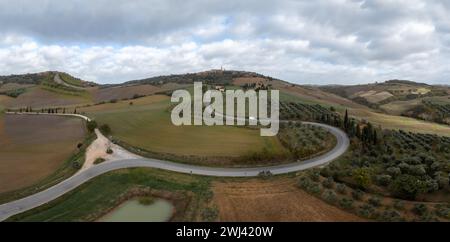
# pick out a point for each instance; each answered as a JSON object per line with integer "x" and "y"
{"x": 134, "y": 211}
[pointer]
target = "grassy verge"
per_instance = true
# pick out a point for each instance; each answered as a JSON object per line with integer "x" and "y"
{"x": 67, "y": 169}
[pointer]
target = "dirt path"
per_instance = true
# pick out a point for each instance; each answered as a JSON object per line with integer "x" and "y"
{"x": 98, "y": 150}
{"x": 276, "y": 199}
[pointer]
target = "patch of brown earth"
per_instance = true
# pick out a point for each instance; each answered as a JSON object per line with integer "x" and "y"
{"x": 119, "y": 93}
{"x": 33, "y": 147}
{"x": 276, "y": 199}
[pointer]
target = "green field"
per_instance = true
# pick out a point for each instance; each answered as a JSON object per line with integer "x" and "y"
{"x": 399, "y": 122}
{"x": 71, "y": 80}
{"x": 146, "y": 124}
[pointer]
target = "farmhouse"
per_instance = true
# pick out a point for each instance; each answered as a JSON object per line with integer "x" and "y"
{"x": 220, "y": 88}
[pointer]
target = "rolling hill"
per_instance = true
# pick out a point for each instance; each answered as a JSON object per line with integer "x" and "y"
{"x": 392, "y": 104}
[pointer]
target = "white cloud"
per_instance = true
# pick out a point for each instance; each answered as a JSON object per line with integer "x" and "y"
{"x": 339, "y": 41}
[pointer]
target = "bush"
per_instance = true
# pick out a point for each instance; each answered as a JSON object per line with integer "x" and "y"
{"x": 311, "y": 187}
{"x": 383, "y": 180}
{"x": 210, "y": 214}
{"x": 420, "y": 209}
{"x": 326, "y": 172}
{"x": 366, "y": 210}
{"x": 391, "y": 216}
{"x": 443, "y": 212}
{"x": 341, "y": 188}
{"x": 330, "y": 196}
{"x": 99, "y": 160}
{"x": 91, "y": 125}
{"x": 375, "y": 201}
{"x": 314, "y": 189}
{"x": 362, "y": 177}
{"x": 407, "y": 186}
{"x": 314, "y": 175}
{"x": 147, "y": 200}
{"x": 346, "y": 203}
{"x": 105, "y": 129}
{"x": 393, "y": 171}
{"x": 304, "y": 182}
{"x": 109, "y": 151}
{"x": 328, "y": 183}
{"x": 399, "y": 205}
{"x": 357, "y": 194}
{"x": 76, "y": 165}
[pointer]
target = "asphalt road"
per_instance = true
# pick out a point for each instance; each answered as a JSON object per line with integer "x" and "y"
{"x": 18, "y": 206}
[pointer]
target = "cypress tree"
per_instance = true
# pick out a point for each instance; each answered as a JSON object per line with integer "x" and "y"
{"x": 346, "y": 124}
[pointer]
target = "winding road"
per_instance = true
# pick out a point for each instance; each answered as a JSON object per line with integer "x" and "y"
{"x": 18, "y": 206}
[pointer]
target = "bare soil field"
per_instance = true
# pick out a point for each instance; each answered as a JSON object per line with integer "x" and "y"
{"x": 125, "y": 92}
{"x": 118, "y": 93}
{"x": 37, "y": 97}
{"x": 249, "y": 80}
{"x": 373, "y": 96}
{"x": 313, "y": 94}
{"x": 12, "y": 86}
{"x": 33, "y": 147}
{"x": 5, "y": 100}
{"x": 277, "y": 199}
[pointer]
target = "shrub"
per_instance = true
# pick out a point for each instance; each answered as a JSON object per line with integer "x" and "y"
{"x": 76, "y": 165}
{"x": 326, "y": 172}
{"x": 330, "y": 196}
{"x": 366, "y": 210}
{"x": 209, "y": 214}
{"x": 443, "y": 212}
{"x": 113, "y": 100}
{"x": 428, "y": 217}
{"x": 362, "y": 177}
{"x": 357, "y": 194}
{"x": 383, "y": 180}
{"x": 407, "y": 186}
{"x": 105, "y": 129}
{"x": 420, "y": 209}
{"x": 442, "y": 180}
{"x": 311, "y": 187}
{"x": 99, "y": 160}
{"x": 314, "y": 175}
{"x": 399, "y": 205}
{"x": 328, "y": 183}
{"x": 375, "y": 201}
{"x": 391, "y": 215}
{"x": 346, "y": 203}
{"x": 147, "y": 200}
{"x": 341, "y": 188}
{"x": 393, "y": 171}
{"x": 91, "y": 125}
{"x": 304, "y": 182}
{"x": 109, "y": 151}
{"x": 314, "y": 189}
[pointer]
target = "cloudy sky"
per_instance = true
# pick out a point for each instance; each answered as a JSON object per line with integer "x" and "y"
{"x": 315, "y": 42}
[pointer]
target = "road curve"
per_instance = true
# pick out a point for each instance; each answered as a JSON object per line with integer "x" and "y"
{"x": 18, "y": 206}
